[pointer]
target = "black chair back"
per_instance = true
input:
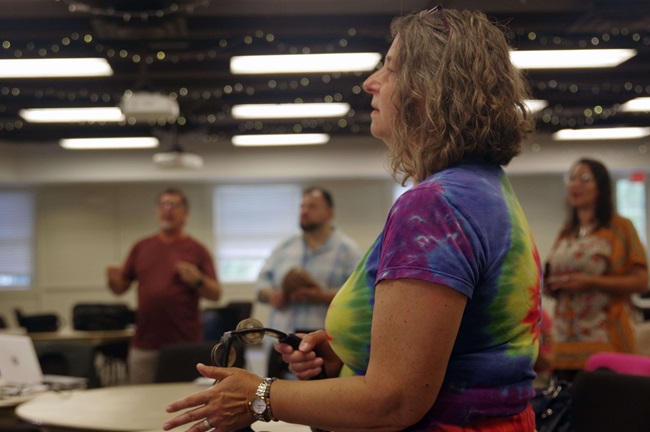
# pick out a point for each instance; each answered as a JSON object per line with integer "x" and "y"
{"x": 76, "y": 359}
{"x": 177, "y": 363}
{"x": 604, "y": 401}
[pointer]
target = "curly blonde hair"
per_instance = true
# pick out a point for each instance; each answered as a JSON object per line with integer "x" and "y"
{"x": 458, "y": 94}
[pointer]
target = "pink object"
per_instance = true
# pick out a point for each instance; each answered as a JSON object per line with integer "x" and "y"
{"x": 631, "y": 364}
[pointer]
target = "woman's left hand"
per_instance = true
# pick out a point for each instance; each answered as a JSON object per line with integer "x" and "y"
{"x": 571, "y": 282}
{"x": 224, "y": 405}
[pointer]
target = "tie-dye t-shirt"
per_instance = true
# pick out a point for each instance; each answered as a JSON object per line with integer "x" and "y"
{"x": 462, "y": 228}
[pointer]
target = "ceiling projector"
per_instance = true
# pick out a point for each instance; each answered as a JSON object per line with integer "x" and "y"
{"x": 143, "y": 106}
{"x": 178, "y": 159}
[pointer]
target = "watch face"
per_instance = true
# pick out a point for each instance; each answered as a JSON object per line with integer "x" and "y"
{"x": 258, "y": 405}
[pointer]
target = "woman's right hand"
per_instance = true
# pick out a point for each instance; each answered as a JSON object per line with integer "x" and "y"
{"x": 313, "y": 354}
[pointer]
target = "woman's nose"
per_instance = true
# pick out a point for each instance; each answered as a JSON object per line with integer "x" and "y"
{"x": 370, "y": 85}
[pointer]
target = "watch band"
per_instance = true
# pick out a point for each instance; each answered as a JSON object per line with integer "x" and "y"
{"x": 267, "y": 397}
{"x": 199, "y": 283}
{"x": 263, "y": 396}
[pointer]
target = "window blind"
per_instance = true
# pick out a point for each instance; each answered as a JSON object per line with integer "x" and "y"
{"x": 16, "y": 239}
{"x": 250, "y": 221}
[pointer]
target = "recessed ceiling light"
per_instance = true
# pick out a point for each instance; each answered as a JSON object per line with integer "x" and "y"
{"x": 570, "y": 59}
{"x": 279, "y": 139}
{"x": 54, "y": 68}
{"x": 304, "y": 63}
{"x": 297, "y": 110}
{"x": 70, "y": 115}
{"x": 640, "y": 104}
{"x": 601, "y": 133}
{"x": 108, "y": 143}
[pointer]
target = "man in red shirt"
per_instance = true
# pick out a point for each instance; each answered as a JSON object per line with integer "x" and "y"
{"x": 173, "y": 271}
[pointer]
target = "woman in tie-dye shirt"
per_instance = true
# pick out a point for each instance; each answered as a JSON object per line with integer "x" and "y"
{"x": 437, "y": 329}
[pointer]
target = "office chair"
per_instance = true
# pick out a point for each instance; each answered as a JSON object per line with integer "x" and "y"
{"x": 632, "y": 364}
{"x": 605, "y": 401}
{"x": 217, "y": 321}
{"x": 75, "y": 359}
{"x": 177, "y": 363}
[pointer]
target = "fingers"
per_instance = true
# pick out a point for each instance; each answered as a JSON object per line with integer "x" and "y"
{"x": 217, "y": 373}
{"x": 304, "y": 365}
{"x": 308, "y": 374}
{"x": 308, "y": 369}
{"x": 224, "y": 406}
{"x": 197, "y": 415}
{"x": 196, "y": 401}
{"x": 311, "y": 340}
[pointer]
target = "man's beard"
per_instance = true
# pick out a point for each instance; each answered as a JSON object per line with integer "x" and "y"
{"x": 168, "y": 226}
{"x": 310, "y": 227}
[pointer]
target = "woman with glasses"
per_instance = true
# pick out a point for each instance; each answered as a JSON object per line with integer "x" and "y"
{"x": 437, "y": 328}
{"x": 596, "y": 263}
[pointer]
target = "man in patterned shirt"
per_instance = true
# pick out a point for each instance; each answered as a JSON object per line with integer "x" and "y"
{"x": 304, "y": 273}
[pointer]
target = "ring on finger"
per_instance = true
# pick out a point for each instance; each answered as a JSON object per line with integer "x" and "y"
{"x": 207, "y": 425}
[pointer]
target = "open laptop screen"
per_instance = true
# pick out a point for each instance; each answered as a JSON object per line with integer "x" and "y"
{"x": 18, "y": 361}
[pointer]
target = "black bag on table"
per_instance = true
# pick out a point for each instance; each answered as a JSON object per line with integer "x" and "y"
{"x": 552, "y": 407}
{"x": 36, "y": 323}
{"x": 100, "y": 316}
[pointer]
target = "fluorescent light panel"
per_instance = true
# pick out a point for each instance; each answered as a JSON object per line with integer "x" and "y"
{"x": 568, "y": 59}
{"x": 535, "y": 105}
{"x": 297, "y": 110}
{"x": 108, "y": 143}
{"x": 279, "y": 139}
{"x": 304, "y": 63}
{"x": 640, "y": 104}
{"x": 54, "y": 68}
{"x": 601, "y": 133}
{"x": 70, "y": 115}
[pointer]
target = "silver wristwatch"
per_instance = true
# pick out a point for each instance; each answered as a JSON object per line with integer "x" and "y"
{"x": 261, "y": 402}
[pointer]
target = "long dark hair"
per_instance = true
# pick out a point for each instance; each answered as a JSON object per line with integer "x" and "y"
{"x": 604, "y": 201}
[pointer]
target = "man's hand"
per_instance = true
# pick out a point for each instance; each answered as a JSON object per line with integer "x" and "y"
{"x": 116, "y": 281}
{"x": 189, "y": 273}
{"x": 297, "y": 279}
{"x": 307, "y": 295}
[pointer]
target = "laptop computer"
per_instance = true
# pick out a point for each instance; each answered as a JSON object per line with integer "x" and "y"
{"x": 20, "y": 368}
{"x": 18, "y": 361}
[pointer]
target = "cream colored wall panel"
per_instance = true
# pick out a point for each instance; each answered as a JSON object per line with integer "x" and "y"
{"x": 137, "y": 217}
{"x": 8, "y": 165}
{"x": 28, "y": 301}
{"x": 361, "y": 208}
{"x": 75, "y": 235}
{"x": 542, "y": 198}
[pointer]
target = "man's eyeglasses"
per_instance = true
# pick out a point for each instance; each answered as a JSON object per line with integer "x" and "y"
{"x": 170, "y": 204}
{"x": 441, "y": 13}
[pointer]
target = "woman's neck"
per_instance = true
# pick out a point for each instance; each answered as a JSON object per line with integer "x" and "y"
{"x": 586, "y": 216}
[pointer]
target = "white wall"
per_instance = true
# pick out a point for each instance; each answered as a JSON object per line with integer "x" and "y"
{"x": 82, "y": 228}
{"x": 92, "y": 206}
{"x": 542, "y": 198}
{"x": 7, "y": 165}
{"x": 342, "y": 158}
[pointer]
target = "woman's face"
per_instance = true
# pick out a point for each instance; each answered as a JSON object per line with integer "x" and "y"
{"x": 381, "y": 86}
{"x": 582, "y": 190}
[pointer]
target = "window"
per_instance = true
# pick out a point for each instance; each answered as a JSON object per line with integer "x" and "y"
{"x": 16, "y": 239}
{"x": 250, "y": 221}
{"x": 630, "y": 203}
